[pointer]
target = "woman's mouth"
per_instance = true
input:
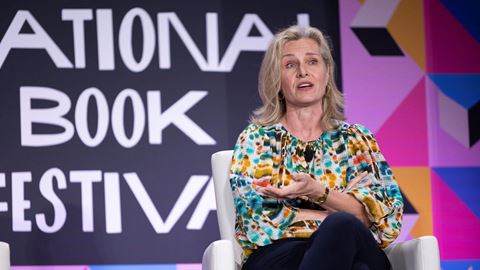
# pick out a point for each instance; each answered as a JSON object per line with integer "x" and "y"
{"x": 305, "y": 85}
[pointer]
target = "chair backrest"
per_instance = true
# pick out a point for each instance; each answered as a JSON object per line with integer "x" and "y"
{"x": 224, "y": 199}
{"x": 4, "y": 256}
{"x": 421, "y": 253}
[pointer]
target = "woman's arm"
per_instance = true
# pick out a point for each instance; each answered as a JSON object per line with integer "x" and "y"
{"x": 342, "y": 202}
{"x": 261, "y": 219}
{"x": 372, "y": 194}
{"x": 305, "y": 187}
{"x": 378, "y": 192}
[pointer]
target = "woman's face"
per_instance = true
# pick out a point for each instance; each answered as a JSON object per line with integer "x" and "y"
{"x": 304, "y": 75}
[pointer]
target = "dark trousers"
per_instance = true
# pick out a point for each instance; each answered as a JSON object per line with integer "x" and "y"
{"x": 342, "y": 242}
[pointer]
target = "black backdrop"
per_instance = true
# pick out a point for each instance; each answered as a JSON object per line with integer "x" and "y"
{"x": 163, "y": 169}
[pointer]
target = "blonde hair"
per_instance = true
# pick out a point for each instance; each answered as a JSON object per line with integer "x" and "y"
{"x": 269, "y": 83}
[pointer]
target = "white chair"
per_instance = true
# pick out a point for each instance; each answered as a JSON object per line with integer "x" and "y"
{"x": 417, "y": 254}
{"x": 4, "y": 256}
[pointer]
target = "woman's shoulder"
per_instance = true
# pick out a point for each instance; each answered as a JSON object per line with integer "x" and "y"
{"x": 358, "y": 135}
{"x": 254, "y": 136}
{"x": 353, "y": 129}
{"x": 353, "y": 133}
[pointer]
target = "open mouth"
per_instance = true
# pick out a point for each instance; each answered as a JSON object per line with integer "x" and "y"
{"x": 305, "y": 85}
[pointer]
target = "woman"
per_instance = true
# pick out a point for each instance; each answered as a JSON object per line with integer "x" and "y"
{"x": 311, "y": 191}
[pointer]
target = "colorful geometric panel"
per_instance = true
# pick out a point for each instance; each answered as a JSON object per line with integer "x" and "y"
{"x": 373, "y": 86}
{"x": 415, "y": 185}
{"x": 408, "y": 222}
{"x": 407, "y": 29}
{"x": 370, "y": 26}
{"x": 460, "y": 264}
{"x": 465, "y": 183}
{"x": 434, "y": 122}
{"x": 444, "y": 149}
{"x": 466, "y": 12}
{"x": 191, "y": 266}
{"x": 455, "y": 224}
{"x": 410, "y": 218}
{"x": 188, "y": 266}
{"x": 450, "y": 47}
{"x": 462, "y": 88}
{"x": 403, "y": 136}
{"x": 377, "y": 41}
{"x": 459, "y": 106}
{"x": 408, "y": 208}
{"x": 52, "y": 267}
{"x": 454, "y": 119}
{"x": 473, "y": 124}
{"x": 135, "y": 267}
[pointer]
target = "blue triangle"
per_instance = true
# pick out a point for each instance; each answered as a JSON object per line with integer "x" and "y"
{"x": 463, "y": 88}
{"x": 466, "y": 12}
{"x": 460, "y": 264}
{"x": 465, "y": 182}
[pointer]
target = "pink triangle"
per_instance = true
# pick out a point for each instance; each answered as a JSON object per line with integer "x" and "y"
{"x": 449, "y": 47}
{"x": 455, "y": 226}
{"x": 403, "y": 136}
{"x": 373, "y": 85}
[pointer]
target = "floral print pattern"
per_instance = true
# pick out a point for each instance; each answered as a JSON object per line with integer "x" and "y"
{"x": 270, "y": 154}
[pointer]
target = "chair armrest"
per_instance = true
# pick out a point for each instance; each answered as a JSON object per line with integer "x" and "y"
{"x": 219, "y": 255}
{"x": 4, "y": 256}
{"x": 416, "y": 254}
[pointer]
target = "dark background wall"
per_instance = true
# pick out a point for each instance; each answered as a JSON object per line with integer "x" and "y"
{"x": 70, "y": 175}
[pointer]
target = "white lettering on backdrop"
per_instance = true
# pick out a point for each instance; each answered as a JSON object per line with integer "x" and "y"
{"x": 147, "y": 111}
{"x": 55, "y": 179}
{"x": 158, "y": 120}
{"x": 40, "y": 39}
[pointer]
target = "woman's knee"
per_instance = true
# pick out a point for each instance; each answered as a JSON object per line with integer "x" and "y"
{"x": 360, "y": 266}
{"x": 343, "y": 222}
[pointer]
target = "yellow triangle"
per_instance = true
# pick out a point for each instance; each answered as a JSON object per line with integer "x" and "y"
{"x": 407, "y": 28}
{"x": 415, "y": 185}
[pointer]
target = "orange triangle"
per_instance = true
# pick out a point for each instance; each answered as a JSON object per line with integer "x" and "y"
{"x": 407, "y": 28}
{"x": 415, "y": 185}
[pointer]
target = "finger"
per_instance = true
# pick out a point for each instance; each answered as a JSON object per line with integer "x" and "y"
{"x": 268, "y": 193}
{"x": 298, "y": 177}
{"x": 357, "y": 179}
{"x": 273, "y": 192}
{"x": 303, "y": 197}
{"x": 353, "y": 182}
{"x": 260, "y": 190}
{"x": 285, "y": 192}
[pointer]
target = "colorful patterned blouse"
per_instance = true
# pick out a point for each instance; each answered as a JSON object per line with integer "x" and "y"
{"x": 269, "y": 154}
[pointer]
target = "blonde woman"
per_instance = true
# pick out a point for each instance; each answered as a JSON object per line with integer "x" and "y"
{"x": 311, "y": 191}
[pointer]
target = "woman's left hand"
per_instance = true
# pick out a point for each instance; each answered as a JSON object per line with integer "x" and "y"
{"x": 303, "y": 186}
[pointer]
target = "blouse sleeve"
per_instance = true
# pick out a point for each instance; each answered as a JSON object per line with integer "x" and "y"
{"x": 260, "y": 219}
{"x": 378, "y": 192}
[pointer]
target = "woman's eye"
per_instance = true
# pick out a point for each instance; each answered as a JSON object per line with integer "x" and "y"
{"x": 290, "y": 65}
{"x": 313, "y": 62}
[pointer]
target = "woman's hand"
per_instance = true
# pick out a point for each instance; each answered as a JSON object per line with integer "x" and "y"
{"x": 303, "y": 186}
{"x": 360, "y": 180}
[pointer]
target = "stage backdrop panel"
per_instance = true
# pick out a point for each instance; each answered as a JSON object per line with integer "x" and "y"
{"x": 411, "y": 73}
{"x": 109, "y": 112}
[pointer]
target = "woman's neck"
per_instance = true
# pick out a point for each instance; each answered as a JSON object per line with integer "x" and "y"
{"x": 303, "y": 123}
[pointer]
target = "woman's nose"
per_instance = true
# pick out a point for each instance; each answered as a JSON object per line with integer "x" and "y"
{"x": 302, "y": 72}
